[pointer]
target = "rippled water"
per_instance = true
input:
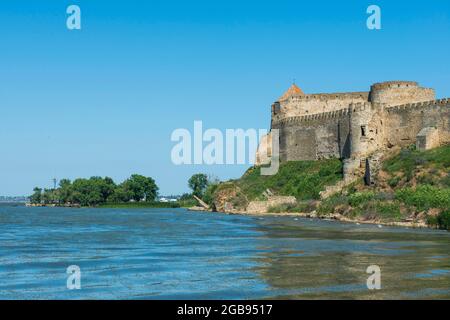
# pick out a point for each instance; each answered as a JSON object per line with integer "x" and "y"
{"x": 176, "y": 254}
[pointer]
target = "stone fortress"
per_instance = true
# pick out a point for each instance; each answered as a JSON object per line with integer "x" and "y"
{"x": 357, "y": 127}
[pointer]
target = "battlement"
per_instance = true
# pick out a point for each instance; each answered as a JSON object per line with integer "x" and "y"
{"x": 420, "y": 105}
{"x": 366, "y": 106}
{"x": 328, "y": 96}
{"x": 313, "y": 117}
{"x": 360, "y": 106}
{"x": 394, "y": 84}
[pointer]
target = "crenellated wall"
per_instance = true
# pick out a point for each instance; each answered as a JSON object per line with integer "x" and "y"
{"x": 301, "y": 105}
{"x": 314, "y": 137}
{"x": 404, "y": 122}
{"x": 359, "y": 125}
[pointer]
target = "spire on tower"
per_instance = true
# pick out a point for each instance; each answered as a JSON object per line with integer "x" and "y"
{"x": 293, "y": 90}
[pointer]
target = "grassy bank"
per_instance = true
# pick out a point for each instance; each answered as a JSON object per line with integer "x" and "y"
{"x": 301, "y": 179}
{"x": 411, "y": 186}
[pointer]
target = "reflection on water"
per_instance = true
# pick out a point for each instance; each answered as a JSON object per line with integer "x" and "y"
{"x": 175, "y": 254}
{"x": 329, "y": 260}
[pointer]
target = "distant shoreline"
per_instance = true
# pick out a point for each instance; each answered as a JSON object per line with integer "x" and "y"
{"x": 131, "y": 205}
{"x": 13, "y": 202}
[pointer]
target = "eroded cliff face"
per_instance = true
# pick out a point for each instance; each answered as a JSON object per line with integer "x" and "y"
{"x": 229, "y": 199}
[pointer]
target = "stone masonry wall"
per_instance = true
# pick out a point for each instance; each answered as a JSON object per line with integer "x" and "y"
{"x": 404, "y": 122}
{"x": 315, "y": 136}
{"x": 355, "y": 125}
{"x": 400, "y": 92}
{"x": 318, "y": 103}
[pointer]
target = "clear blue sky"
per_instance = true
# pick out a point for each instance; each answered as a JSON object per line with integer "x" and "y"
{"x": 104, "y": 100}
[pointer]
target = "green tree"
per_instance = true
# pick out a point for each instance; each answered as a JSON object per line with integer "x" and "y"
{"x": 208, "y": 196}
{"x": 97, "y": 190}
{"x": 198, "y": 183}
{"x": 49, "y": 196}
{"x": 93, "y": 191}
{"x": 36, "y": 197}
{"x": 141, "y": 188}
{"x": 120, "y": 194}
{"x": 105, "y": 186}
{"x": 64, "y": 191}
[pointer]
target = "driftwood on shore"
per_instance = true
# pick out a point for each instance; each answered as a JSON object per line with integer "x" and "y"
{"x": 201, "y": 202}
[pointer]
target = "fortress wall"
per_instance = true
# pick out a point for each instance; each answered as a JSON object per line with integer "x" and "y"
{"x": 319, "y": 103}
{"x": 400, "y": 92}
{"x": 314, "y": 137}
{"x": 355, "y": 125}
{"x": 404, "y": 122}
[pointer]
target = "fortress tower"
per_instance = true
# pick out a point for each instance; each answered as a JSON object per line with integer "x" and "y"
{"x": 355, "y": 126}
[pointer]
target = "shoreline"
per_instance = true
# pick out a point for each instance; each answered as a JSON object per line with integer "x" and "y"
{"x": 331, "y": 217}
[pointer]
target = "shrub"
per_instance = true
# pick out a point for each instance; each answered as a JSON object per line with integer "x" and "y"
{"x": 432, "y": 221}
{"x": 393, "y": 182}
{"x": 426, "y": 179}
{"x": 377, "y": 209}
{"x": 358, "y": 198}
{"x": 425, "y": 197}
{"x": 446, "y": 180}
{"x": 388, "y": 210}
{"x": 208, "y": 196}
{"x": 419, "y": 161}
{"x": 385, "y": 196}
{"x": 443, "y": 220}
{"x": 328, "y": 205}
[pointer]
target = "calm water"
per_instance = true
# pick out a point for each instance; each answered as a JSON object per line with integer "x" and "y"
{"x": 176, "y": 254}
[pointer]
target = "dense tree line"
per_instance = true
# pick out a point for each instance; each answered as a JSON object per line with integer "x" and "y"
{"x": 96, "y": 190}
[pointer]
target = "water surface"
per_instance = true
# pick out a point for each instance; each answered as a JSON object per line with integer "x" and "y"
{"x": 176, "y": 254}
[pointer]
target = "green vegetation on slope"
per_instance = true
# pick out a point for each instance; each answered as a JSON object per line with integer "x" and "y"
{"x": 410, "y": 185}
{"x": 302, "y": 179}
{"x": 430, "y": 167}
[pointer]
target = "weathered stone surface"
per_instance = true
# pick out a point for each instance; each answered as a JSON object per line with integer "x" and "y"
{"x": 428, "y": 138}
{"x": 264, "y": 152}
{"x": 223, "y": 198}
{"x": 264, "y": 206}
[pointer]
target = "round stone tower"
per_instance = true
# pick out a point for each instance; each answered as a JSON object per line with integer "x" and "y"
{"x": 360, "y": 115}
{"x": 395, "y": 93}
